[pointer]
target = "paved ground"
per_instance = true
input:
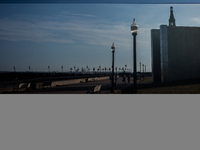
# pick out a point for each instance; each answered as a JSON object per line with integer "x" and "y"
{"x": 81, "y": 88}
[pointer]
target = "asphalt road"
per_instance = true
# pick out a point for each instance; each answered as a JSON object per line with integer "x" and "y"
{"x": 80, "y": 88}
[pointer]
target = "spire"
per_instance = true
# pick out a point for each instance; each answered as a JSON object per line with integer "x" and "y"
{"x": 171, "y": 19}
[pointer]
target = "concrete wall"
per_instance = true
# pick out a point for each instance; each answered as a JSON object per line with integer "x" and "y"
{"x": 184, "y": 52}
{"x": 155, "y": 55}
{"x": 75, "y": 81}
{"x": 164, "y": 53}
{"x": 38, "y": 85}
{"x": 104, "y": 78}
{"x": 178, "y": 50}
{"x": 8, "y": 88}
{"x": 66, "y": 82}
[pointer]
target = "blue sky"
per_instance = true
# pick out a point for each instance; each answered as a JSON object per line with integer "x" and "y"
{"x": 42, "y": 35}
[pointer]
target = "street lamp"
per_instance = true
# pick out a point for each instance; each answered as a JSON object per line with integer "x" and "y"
{"x": 49, "y": 68}
{"x": 82, "y": 70}
{"x": 100, "y": 69}
{"x": 134, "y": 30}
{"x": 62, "y": 68}
{"x": 143, "y": 67}
{"x": 93, "y": 70}
{"x": 77, "y": 70}
{"x": 87, "y": 69}
{"x": 143, "y": 70}
{"x": 112, "y": 50}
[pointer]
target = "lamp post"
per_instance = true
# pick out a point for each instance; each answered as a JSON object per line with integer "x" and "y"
{"x": 143, "y": 67}
{"x": 134, "y": 30}
{"x": 82, "y": 70}
{"x": 87, "y": 69}
{"x": 62, "y": 68}
{"x": 77, "y": 70}
{"x": 143, "y": 70}
{"x": 14, "y": 68}
{"x": 93, "y": 70}
{"x": 140, "y": 71}
{"x": 112, "y": 50}
{"x": 100, "y": 69}
{"x": 49, "y": 68}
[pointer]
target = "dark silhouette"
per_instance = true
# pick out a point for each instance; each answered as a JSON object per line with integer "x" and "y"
{"x": 124, "y": 78}
{"x": 129, "y": 78}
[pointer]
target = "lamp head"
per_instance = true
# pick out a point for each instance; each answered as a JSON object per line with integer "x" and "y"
{"x": 134, "y": 27}
{"x": 113, "y": 47}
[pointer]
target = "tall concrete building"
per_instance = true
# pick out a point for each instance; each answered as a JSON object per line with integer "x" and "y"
{"x": 175, "y": 52}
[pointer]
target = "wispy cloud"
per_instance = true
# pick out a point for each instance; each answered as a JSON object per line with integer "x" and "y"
{"x": 75, "y": 14}
{"x": 12, "y": 30}
{"x": 93, "y": 32}
{"x": 196, "y": 20}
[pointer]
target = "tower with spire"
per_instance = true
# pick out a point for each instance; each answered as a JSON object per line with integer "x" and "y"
{"x": 171, "y": 19}
{"x": 175, "y": 52}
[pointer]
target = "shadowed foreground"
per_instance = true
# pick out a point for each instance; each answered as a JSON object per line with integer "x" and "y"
{"x": 182, "y": 87}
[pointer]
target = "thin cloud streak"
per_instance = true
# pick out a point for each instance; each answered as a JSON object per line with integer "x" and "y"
{"x": 81, "y": 15}
{"x": 90, "y": 32}
{"x": 25, "y": 31}
{"x": 196, "y": 20}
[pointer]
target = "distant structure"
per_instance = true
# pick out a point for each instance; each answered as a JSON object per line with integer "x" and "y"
{"x": 175, "y": 52}
{"x": 171, "y": 19}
